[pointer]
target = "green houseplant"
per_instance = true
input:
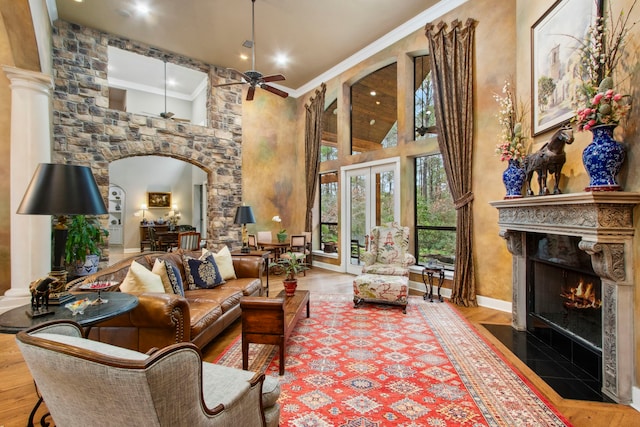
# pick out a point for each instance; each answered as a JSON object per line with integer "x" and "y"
{"x": 85, "y": 234}
{"x": 290, "y": 266}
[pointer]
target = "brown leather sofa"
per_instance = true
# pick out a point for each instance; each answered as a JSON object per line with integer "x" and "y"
{"x": 161, "y": 319}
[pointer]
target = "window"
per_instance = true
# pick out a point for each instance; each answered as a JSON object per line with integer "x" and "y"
{"x": 423, "y": 107}
{"x": 435, "y": 214}
{"x": 329, "y": 143}
{"x": 329, "y": 207}
{"x": 374, "y": 112}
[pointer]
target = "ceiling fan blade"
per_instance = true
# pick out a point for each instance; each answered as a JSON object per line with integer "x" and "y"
{"x": 274, "y": 90}
{"x": 250, "y": 92}
{"x": 273, "y": 78}
{"x": 229, "y": 84}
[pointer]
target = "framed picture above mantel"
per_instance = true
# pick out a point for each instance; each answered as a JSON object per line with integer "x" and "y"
{"x": 556, "y": 41}
{"x": 158, "y": 200}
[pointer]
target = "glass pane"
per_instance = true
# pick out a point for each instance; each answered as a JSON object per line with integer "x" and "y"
{"x": 434, "y": 208}
{"x": 329, "y": 207}
{"x": 425, "y": 117}
{"x": 329, "y": 145}
{"x": 385, "y": 197}
{"x": 374, "y": 112}
{"x": 357, "y": 187}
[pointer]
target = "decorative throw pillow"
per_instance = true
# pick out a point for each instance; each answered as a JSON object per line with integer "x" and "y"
{"x": 139, "y": 279}
{"x": 174, "y": 277}
{"x": 160, "y": 268}
{"x": 201, "y": 273}
{"x": 225, "y": 263}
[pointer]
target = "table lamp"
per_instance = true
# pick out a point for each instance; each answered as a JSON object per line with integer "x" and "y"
{"x": 244, "y": 216}
{"x": 61, "y": 190}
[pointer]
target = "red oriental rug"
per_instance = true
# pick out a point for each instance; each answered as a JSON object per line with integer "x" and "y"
{"x": 374, "y": 366}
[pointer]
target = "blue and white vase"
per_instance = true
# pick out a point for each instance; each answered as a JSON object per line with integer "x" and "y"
{"x": 603, "y": 159}
{"x": 513, "y": 178}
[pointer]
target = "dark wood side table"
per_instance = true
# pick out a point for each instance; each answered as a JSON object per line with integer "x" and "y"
{"x": 428, "y": 272}
{"x": 17, "y": 319}
{"x": 270, "y": 321}
{"x": 266, "y": 255}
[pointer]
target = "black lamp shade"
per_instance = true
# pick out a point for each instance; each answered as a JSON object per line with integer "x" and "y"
{"x": 62, "y": 189}
{"x": 244, "y": 215}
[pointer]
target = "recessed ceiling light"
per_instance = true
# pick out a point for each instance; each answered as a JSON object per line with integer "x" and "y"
{"x": 243, "y": 57}
{"x": 377, "y": 102}
{"x": 79, "y": 1}
{"x": 281, "y": 59}
{"x": 171, "y": 82}
{"x": 373, "y": 93}
{"x": 142, "y": 9}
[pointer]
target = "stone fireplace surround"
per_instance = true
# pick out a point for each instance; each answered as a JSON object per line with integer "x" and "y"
{"x": 604, "y": 222}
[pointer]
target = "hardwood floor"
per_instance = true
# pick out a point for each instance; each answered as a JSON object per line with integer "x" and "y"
{"x": 17, "y": 395}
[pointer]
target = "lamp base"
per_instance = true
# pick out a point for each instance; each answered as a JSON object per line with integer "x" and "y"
{"x": 245, "y": 250}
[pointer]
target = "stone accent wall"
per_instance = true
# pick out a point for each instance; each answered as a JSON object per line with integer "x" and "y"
{"x": 87, "y": 132}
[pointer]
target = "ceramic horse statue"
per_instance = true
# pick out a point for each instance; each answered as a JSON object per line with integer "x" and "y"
{"x": 548, "y": 160}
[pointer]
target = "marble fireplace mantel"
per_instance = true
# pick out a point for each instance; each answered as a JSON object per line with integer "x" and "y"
{"x": 604, "y": 222}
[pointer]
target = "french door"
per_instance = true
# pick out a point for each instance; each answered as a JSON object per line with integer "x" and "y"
{"x": 371, "y": 197}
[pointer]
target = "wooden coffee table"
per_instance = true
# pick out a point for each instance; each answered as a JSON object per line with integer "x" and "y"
{"x": 270, "y": 321}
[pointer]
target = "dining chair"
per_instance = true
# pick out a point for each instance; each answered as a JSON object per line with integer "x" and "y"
{"x": 189, "y": 240}
{"x": 298, "y": 248}
{"x": 153, "y": 238}
{"x": 253, "y": 241}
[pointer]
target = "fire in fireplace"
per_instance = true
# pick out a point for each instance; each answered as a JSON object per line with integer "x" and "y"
{"x": 581, "y": 297}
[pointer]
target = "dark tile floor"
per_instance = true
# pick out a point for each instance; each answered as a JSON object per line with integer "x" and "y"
{"x": 568, "y": 380}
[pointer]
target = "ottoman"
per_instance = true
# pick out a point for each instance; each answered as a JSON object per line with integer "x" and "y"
{"x": 381, "y": 288}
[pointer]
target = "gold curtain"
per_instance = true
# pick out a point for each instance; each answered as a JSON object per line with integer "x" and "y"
{"x": 312, "y": 139}
{"x": 452, "y": 69}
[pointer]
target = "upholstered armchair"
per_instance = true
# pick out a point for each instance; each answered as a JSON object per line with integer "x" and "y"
{"x": 86, "y": 382}
{"x": 388, "y": 251}
{"x": 385, "y": 274}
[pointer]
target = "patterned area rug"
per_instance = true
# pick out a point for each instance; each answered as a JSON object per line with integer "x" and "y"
{"x": 374, "y": 366}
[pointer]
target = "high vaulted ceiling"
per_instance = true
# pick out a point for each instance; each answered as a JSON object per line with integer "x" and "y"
{"x": 318, "y": 36}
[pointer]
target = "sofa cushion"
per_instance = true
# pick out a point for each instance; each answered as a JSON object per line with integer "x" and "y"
{"x": 248, "y": 286}
{"x": 174, "y": 277}
{"x": 160, "y": 269}
{"x": 226, "y": 298}
{"x": 139, "y": 279}
{"x": 201, "y": 273}
{"x": 225, "y": 263}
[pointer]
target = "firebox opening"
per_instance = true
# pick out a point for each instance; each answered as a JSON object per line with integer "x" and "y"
{"x": 564, "y": 300}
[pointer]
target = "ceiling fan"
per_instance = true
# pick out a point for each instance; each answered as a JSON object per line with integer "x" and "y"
{"x": 253, "y": 77}
{"x": 166, "y": 114}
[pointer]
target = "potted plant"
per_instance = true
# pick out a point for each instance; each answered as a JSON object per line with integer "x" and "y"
{"x": 330, "y": 246}
{"x": 82, "y": 250}
{"x": 290, "y": 265}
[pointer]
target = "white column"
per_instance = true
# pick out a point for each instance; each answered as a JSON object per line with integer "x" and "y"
{"x": 30, "y": 145}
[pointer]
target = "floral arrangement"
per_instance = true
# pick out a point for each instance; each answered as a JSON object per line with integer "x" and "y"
{"x": 606, "y": 107}
{"x": 172, "y": 218}
{"x": 510, "y": 116}
{"x": 277, "y": 219}
{"x": 599, "y": 56}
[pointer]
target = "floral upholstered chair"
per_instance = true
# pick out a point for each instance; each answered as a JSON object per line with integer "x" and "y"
{"x": 388, "y": 251}
{"x": 385, "y": 274}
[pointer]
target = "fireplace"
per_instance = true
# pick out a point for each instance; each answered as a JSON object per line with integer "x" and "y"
{"x": 578, "y": 250}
